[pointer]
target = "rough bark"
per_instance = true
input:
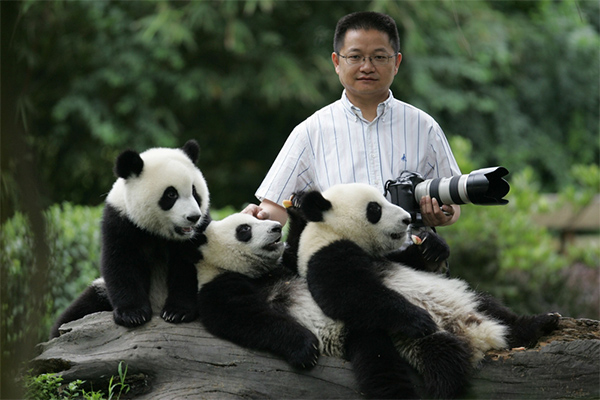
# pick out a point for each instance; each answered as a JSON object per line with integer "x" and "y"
{"x": 167, "y": 361}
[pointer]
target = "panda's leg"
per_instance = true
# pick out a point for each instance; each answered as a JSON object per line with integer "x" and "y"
{"x": 232, "y": 308}
{"x": 182, "y": 286}
{"x": 92, "y": 299}
{"x": 128, "y": 254}
{"x": 380, "y": 371}
{"x": 342, "y": 280}
{"x": 524, "y": 330}
{"x": 443, "y": 361}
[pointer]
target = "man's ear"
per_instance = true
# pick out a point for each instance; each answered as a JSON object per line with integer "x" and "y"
{"x": 335, "y": 58}
{"x": 314, "y": 206}
{"x": 398, "y": 61}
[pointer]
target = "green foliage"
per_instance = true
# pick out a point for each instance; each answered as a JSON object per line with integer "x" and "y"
{"x": 518, "y": 79}
{"x": 50, "y": 387}
{"x": 73, "y": 238}
{"x": 501, "y": 250}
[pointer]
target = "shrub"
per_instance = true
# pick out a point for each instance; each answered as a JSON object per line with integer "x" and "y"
{"x": 502, "y": 251}
{"x": 74, "y": 245}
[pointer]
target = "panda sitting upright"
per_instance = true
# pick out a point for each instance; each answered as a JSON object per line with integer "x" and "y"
{"x": 438, "y": 326}
{"x": 156, "y": 208}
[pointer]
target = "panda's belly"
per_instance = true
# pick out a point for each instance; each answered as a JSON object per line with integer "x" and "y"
{"x": 451, "y": 304}
{"x": 304, "y": 309}
{"x": 158, "y": 287}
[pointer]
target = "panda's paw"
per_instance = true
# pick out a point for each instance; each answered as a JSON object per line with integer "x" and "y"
{"x": 178, "y": 314}
{"x": 132, "y": 317}
{"x": 432, "y": 246}
{"x": 305, "y": 355}
{"x": 527, "y": 330}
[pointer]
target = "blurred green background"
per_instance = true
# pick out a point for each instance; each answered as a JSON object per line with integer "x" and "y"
{"x": 512, "y": 83}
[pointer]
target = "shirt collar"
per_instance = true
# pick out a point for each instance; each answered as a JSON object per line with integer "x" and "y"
{"x": 382, "y": 108}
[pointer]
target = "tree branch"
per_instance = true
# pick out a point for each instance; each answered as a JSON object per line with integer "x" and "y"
{"x": 167, "y": 361}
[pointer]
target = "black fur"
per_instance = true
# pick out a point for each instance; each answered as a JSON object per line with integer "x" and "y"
{"x": 379, "y": 370}
{"x": 424, "y": 257}
{"x": 129, "y": 163}
{"x": 236, "y": 307}
{"x": 343, "y": 280}
{"x": 314, "y": 205}
{"x": 525, "y": 330}
{"x": 92, "y": 299}
{"x": 192, "y": 149}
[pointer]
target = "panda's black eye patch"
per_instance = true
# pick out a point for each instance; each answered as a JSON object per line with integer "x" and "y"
{"x": 243, "y": 233}
{"x": 168, "y": 199}
{"x": 373, "y": 212}
{"x": 196, "y": 196}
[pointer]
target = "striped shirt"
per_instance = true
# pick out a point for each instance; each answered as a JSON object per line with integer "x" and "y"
{"x": 337, "y": 145}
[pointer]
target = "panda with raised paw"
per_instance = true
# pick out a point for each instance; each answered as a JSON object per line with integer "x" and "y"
{"x": 153, "y": 217}
{"x": 438, "y": 326}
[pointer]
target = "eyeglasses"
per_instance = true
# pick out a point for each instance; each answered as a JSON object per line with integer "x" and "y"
{"x": 359, "y": 60}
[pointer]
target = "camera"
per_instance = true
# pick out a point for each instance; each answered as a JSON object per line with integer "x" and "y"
{"x": 484, "y": 186}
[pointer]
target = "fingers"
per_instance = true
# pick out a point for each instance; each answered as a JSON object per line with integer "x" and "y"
{"x": 256, "y": 211}
{"x": 433, "y": 214}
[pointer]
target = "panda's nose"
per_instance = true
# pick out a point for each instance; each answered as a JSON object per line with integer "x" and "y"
{"x": 276, "y": 228}
{"x": 406, "y": 221}
{"x": 193, "y": 218}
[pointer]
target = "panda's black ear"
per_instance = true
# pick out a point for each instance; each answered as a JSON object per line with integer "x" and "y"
{"x": 192, "y": 149}
{"x": 129, "y": 163}
{"x": 314, "y": 205}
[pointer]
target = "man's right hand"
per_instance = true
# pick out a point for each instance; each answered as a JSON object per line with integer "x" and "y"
{"x": 256, "y": 211}
{"x": 267, "y": 210}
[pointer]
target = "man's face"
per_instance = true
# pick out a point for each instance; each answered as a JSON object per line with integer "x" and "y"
{"x": 365, "y": 81}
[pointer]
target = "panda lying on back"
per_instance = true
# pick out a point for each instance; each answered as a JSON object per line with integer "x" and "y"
{"x": 158, "y": 204}
{"x": 438, "y": 325}
{"x": 387, "y": 318}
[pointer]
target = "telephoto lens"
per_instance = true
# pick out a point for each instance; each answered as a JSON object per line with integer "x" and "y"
{"x": 484, "y": 186}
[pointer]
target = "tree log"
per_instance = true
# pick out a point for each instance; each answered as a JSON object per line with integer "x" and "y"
{"x": 167, "y": 361}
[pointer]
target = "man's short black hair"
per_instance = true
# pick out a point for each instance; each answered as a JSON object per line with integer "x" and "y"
{"x": 366, "y": 20}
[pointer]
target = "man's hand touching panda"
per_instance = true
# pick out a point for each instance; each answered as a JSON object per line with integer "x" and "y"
{"x": 267, "y": 210}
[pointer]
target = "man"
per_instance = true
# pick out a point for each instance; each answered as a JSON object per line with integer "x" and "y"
{"x": 366, "y": 136}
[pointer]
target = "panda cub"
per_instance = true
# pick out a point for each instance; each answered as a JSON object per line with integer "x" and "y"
{"x": 247, "y": 297}
{"x": 398, "y": 320}
{"x": 156, "y": 208}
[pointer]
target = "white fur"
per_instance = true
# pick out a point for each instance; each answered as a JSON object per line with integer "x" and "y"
{"x": 346, "y": 220}
{"x": 306, "y": 311}
{"x": 451, "y": 304}
{"x": 224, "y": 252}
{"x": 138, "y": 197}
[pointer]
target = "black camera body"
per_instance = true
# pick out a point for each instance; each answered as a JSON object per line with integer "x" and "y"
{"x": 484, "y": 187}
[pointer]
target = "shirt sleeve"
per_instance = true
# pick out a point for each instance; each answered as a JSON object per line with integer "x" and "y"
{"x": 443, "y": 158}
{"x": 290, "y": 171}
